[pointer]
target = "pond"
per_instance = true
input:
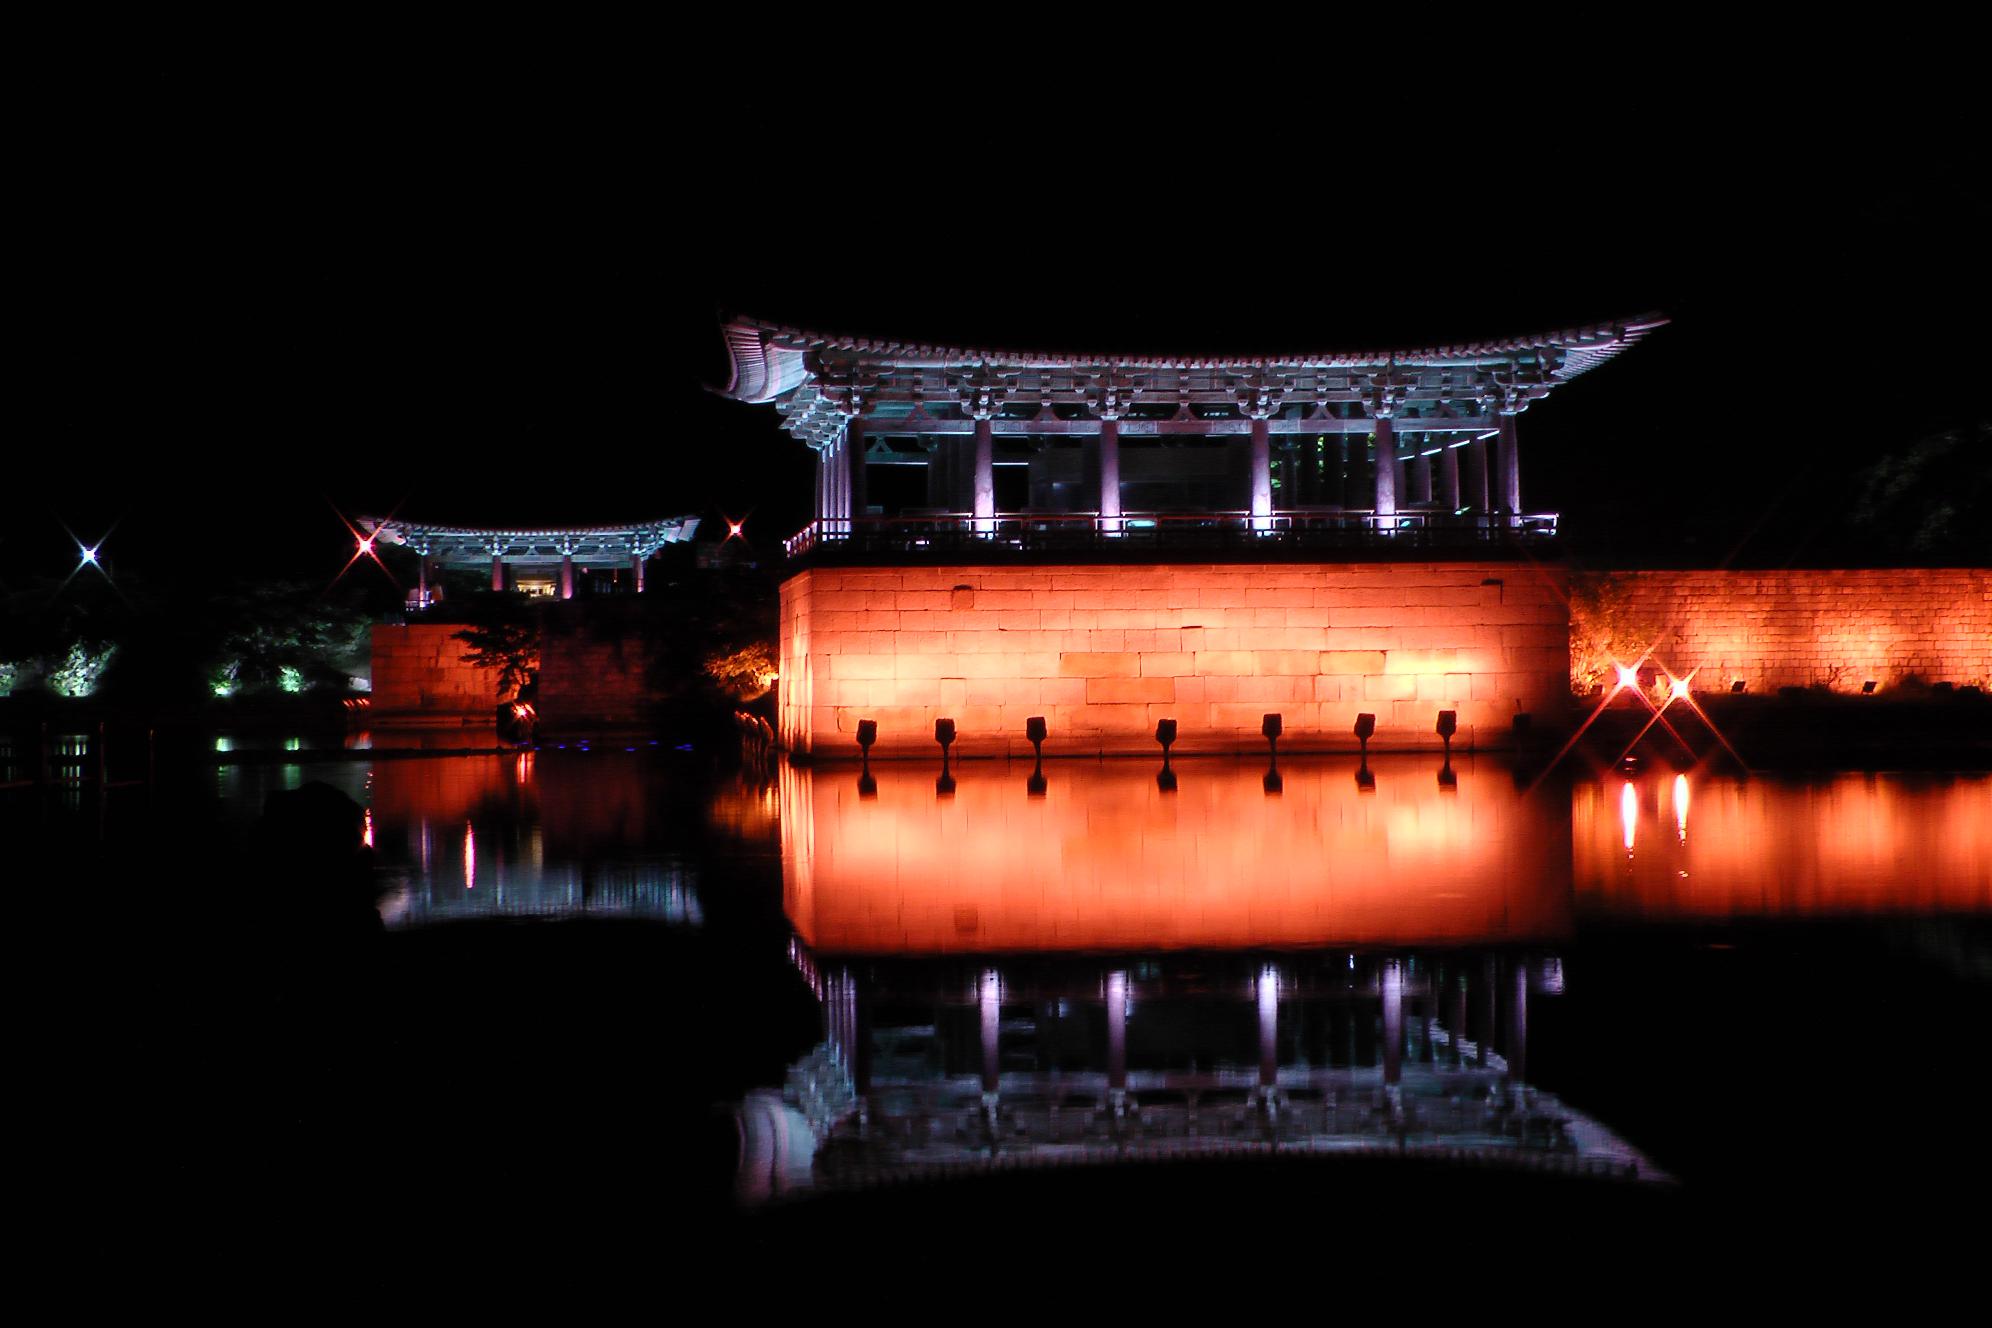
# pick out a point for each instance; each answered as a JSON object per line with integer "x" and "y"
{"x": 768, "y": 984}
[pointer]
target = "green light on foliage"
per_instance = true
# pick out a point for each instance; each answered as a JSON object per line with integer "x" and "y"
{"x": 223, "y": 683}
{"x": 290, "y": 679}
{"x": 8, "y": 673}
{"x": 77, "y": 675}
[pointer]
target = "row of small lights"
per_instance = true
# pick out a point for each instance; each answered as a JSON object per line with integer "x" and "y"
{"x": 1270, "y": 727}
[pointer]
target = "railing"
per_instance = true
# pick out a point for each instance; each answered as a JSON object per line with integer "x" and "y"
{"x": 1065, "y": 532}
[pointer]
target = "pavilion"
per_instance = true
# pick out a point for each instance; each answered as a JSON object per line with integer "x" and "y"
{"x": 1098, "y": 548}
{"x": 921, "y": 445}
{"x": 541, "y": 561}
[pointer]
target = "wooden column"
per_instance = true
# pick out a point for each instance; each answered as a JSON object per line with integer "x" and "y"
{"x": 1386, "y": 470}
{"x": 1476, "y": 477}
{"x": 985, "y": 475}
{"x": 1449, "y": 478}
{"x": 567, "y": 576}
{"x": 1110, "y": 491}
{"x": 1262, "y": 473}
{"x": 854, "y": 471}
{"x": 497, "y": 571}
{"x": 636, "y": 570}
{"x": 1420, "y": 466}
{"x": 1511, "y": 471}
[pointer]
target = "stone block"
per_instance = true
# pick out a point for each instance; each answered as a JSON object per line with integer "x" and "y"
{"x": 1225, "y": 663}
{"x": 1117, "y": 691}
{"x": 1091, "y": 664}
{"x": 1390, "y": 687}
{"x": 1352, "y": 661}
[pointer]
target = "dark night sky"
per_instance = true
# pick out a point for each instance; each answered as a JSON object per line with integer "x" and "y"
{"x": 487, "y": 308}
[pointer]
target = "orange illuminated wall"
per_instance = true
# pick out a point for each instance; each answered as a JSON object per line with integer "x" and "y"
{"x": 1800, "y": 628}
{"x": 1104, "y": 860}
{"x": 1104, "y": 652}
{"x": 1843, "y": 845}
{"x": 418, "y": 672}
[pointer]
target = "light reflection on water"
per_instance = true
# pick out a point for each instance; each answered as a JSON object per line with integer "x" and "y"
{"x": 1112, "y": 967}
{"x": 1838, "y": 845}
{"x": 1104, "y": 859}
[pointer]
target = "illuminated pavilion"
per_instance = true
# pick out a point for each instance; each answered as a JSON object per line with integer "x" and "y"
{"x": 920, "y": 444}
{"x": 537, "y": 561}
{"x": 1091, "y": 545}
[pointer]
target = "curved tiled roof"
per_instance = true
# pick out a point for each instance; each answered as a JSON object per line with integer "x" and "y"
{"x": 770, "y": 359}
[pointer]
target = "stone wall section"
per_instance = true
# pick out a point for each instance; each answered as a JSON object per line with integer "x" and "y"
{"x": 594, "y": 669}
{"x": 1104, "y": 652}
{"x": 419, "y": 674}
{"x": 1805, "y": 628}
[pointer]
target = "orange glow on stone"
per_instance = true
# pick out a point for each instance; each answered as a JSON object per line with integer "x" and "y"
{"x": 1105, "y": 652}
{"x": 1808, "y": 627}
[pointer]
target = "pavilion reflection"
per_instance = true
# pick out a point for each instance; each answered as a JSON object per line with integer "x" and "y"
{"x": 1683, "y": 847}
{"x": 1102, "y": 967}
{"x": 1102, "y": 858}
{"x": 937, "y": 1068}
{"x": 527, "y": 834}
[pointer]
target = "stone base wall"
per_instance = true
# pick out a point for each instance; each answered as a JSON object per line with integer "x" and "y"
{"x": 594, "y": 669}
{"x": 1832, "y": 628}
{"x": 419, "y": 674}
{"x": 1103, "y": 652}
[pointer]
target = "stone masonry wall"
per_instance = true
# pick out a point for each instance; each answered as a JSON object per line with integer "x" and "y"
{"x": 1835, "y": 628}
{"x": 419, "y": 673}
{"x": 1104, "y": 652}
{"x": 594, "y": 668}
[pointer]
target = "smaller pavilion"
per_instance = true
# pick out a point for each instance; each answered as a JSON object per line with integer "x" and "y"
{"x": 541, "y": 561}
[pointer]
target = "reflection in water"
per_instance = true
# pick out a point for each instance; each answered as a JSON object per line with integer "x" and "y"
{"x": 542, "y": 837}
{"x": 1417, "y": 1047}
{"x": 1106, "y": 860}
{"x": 1839, "y": 845}
{"x": 922, "y": 1075}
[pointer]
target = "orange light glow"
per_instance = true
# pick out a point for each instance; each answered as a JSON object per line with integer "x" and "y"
{"x": 1681, "y": 806}
{"x": 1628, "y": 676}
{"x": 1104, "y": 653}
{"x": 1104, "y": 860}
{"x": 1805, "y": 628}
{"x": 1629, "y": 814}
{"x": 1845, "y": 845}
{"x": 1679, "y": 691}
{"x": 469, "y": 857}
